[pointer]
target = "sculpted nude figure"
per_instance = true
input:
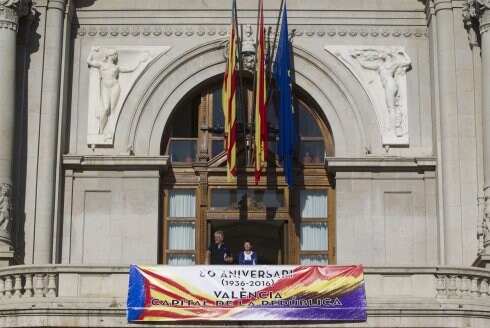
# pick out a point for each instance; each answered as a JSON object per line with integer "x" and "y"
{"x": 110, "y": 88}
{"x": 391, "y": 64}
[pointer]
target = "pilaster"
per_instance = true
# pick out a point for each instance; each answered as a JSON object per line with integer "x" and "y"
{"x": 450, "y": 154}
{"x": 10, "y": 12}
{"x": 48, "y": 138}
{"x": 476, "y": 15}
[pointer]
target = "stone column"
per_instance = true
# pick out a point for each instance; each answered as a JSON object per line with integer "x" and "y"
{"x": 48, "y": 138}
{"x": 451, "y": 188}
{"x": 479, "y": 10}
{"x": 10, "y": 11}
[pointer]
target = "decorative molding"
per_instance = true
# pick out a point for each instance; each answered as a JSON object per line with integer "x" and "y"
{"x": 309, "y": 31}
{"x": 251, "y": 215}
{"x": 11, "y": 11}
{"x": 109, "y": 85}
{"x": 476, "y": 18}
{"x": 382, "y": 72}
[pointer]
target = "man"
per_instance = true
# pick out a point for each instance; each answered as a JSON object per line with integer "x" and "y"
{"x": 218, "y": 253}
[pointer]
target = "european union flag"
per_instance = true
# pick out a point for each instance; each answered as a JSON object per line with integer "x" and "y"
{"x": 287, "y": 129}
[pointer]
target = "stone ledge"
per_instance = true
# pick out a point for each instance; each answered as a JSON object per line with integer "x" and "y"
{"x": 96, "y": 162}
{"x": 375, "y": 164}
{"x": 111, "y": 312}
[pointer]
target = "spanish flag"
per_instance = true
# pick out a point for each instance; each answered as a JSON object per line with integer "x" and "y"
{"x": 260, "y": 102}
{"x": 229, "y": 103}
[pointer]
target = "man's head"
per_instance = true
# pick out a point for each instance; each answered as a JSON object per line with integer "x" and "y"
{"x": 218, "y": 237}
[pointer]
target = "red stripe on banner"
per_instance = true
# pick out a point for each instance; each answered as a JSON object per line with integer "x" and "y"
{"x": 173, "y": 284}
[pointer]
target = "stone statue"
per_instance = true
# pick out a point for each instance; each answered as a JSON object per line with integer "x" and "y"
{"x": 5, "y": 208}
{"x": 248, "y": 49}
{"x": 391, "y": 64}
{"x": 486, "y": 223}
{"x": 248, "y": 43}
{"x": 110, "y": 89}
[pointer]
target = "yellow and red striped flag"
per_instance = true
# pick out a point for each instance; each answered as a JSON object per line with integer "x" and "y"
{"x": 229, "y": 103}
{"x": 260, "y": 102}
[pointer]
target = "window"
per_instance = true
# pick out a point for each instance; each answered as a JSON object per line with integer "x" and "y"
{"x": 314, "y": 227}
{"x": 181, "y": 227}
{"x": 197, "y": 127}
{"x": 269, "y": 198}
{"x": 182, "y": 146}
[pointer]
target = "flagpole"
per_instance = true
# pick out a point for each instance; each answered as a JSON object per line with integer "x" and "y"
{"x": 240, "y": 76}
{"x": 274, "y": 46}
{"x": 255, "y": 82}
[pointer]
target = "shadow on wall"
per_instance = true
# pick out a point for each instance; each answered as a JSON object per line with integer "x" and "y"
{"x": 84, "y": 3}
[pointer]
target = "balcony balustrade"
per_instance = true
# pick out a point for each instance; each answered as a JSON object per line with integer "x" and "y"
{"x": 83, "y": 295}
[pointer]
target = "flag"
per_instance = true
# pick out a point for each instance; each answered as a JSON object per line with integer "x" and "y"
{"x": 282, "y": 74}
{"x": 260, "y": 99}
{"x": 229, "y": 103}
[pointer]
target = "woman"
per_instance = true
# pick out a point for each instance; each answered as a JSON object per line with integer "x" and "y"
{"x": 248, "y": 256}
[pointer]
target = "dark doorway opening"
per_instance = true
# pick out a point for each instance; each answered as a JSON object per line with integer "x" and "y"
{"x": 267, "y": 238}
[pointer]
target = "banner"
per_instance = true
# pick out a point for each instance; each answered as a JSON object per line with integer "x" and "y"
{"x": 232, "y": 292}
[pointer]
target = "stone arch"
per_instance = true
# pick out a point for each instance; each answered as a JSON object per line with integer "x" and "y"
{"x": 342, "y": 99}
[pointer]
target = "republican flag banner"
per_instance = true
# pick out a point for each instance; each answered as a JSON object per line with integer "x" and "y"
{"x": 246, "y": 293}
{"x": 287, "y": 129}
{"x": 260, "y": 102}
{"x": 229, "y": 103}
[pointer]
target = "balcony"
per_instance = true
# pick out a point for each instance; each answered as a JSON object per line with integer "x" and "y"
{"x": 95, "y": 296}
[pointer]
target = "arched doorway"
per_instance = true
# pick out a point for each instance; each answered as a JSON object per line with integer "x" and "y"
{"x": 286, "y": 226}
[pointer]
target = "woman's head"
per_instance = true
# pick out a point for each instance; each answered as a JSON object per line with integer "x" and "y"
{"x": 247, "y": 245}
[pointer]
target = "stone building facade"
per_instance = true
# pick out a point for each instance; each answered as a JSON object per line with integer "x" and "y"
{"x": 111, "y": 152}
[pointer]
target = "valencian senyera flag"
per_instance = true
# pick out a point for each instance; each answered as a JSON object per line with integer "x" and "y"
{"x": 229, "y": 102}
{"x": 245, "y": 293}
{"x": 260, "y": 101}
{"x": 287, "y": 130}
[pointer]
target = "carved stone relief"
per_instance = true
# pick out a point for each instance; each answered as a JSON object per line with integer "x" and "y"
{"x": 382, "y": 72}
{"x": 248, "y": 49}
{"x": 113, "y": 71}
{"x": 5, "y": 210}
{"x": 247, "y": 202}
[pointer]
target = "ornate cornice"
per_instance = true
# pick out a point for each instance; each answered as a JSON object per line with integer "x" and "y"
{"x": 222, "y": 30}
{"x": 11, "y": 10}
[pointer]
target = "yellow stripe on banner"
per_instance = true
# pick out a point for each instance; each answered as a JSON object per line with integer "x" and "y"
{"x": 174, "y": 290}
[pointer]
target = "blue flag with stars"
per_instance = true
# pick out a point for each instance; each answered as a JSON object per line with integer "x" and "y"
{"x": 287, "y": 128}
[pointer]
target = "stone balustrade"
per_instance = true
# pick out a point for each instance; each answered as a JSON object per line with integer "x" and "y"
{"x": 462, "y": 283}
{"x": 67, "y": 280}
{"x": 53, "y": 281}
{"x": 95, "y": 296}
